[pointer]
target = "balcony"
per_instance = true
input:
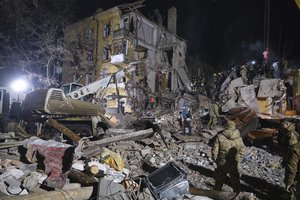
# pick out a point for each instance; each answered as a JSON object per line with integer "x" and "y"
{"x": 120, "y": 33}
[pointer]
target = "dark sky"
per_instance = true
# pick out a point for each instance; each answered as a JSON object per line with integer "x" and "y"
{"x": 225, "y": 31}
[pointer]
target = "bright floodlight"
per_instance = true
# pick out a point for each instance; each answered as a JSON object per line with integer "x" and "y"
{"x": 19, "y": 85}
{"x": 253, "y": 62}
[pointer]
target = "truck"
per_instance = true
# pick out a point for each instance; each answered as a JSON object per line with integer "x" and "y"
{"x": 10, "y": 105}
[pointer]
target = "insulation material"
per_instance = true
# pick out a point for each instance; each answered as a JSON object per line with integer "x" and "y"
{"x": 145, "y": 32}
{"x": 227, "y": 81}
{"x": 229, "y": 105}
{"x": 249, "y": 97}
{"x": 268, "y": 88}
{"x": 234, "y": 84}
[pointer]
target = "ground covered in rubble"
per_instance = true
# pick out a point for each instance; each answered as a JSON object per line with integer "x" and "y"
{"x": 262, "y": 173}
{"x": 261, "y": 170}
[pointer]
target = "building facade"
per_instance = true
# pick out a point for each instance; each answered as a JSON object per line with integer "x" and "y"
{"x": 113, "y": 39}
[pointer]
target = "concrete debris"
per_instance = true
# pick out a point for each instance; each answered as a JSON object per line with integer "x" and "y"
{"x": 16, "y": 173}
{"x": 31, "y": 182}
{"x": 120, "y": 163}
{"x": 14, "y": 190}
{"x": 109, "y": 190}
{"x": 79, "y": 165}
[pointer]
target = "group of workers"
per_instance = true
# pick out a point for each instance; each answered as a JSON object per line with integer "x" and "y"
{"x": 228, "y": 151}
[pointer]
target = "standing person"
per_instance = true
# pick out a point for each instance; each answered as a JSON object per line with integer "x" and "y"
{"x": 292, "y": 175}
{"x": 250, "y": 74}
{"x": 213, "y": 115}
{"x": 227, "y": 151}
{"x": 289, "y": 138}
{"x": 289, "y": 95}
{"x": 186, "y": 117}
{"x": 243, "y": 73}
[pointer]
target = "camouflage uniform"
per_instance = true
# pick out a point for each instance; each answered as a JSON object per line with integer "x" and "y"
{"x": 244, "y": 73}
{"x": 288, "y": 140}
{"x": 228, "y": 150}
{"x": 292, "y": 176}
{"x": 202, "y": 90}
{"x": 214, "y": 114}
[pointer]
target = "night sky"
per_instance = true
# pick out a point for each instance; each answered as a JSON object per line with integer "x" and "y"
{"x": 225, "y": 32}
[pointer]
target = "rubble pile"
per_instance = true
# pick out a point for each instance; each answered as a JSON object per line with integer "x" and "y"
{"x": 262, "y": 164}
{"x": 124, "y": 157}
{"x": 195, "y": 159}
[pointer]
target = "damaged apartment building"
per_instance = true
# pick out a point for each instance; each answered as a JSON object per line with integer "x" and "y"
{"x": 122, "y": 38}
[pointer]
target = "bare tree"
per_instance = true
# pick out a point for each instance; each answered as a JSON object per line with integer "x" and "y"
{"x": 31, "y": 34}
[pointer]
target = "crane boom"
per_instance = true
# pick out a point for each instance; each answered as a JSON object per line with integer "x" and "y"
{"x": 93, "y": 87}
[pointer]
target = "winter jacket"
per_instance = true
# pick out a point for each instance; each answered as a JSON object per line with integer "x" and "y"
{"x": 228, "y": 146}
{"x": 293, "y": 165}
{"x": 291, "y": 137}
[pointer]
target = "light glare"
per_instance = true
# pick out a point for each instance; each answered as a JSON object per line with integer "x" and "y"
{"x": 19, "y": 85}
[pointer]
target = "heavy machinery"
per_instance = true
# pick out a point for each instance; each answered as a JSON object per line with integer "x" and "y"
{"x": 84, "y": 118}
{"x": 95, "y": 91}
{"x": 78, "y": 110}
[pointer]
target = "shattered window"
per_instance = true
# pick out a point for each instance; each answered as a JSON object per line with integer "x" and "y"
{"x": 88, "y": 79}
{"x": 120, "y": 47}
{"x": 124, "y": 47}
{"x": 106, "y": 30}
{"x": 88, "y": 35}
{"x": 89, "y": 56}
{"x": 125, "y": 23}
{"x": 76, "y": 77}
{"x": 105, "y": 53}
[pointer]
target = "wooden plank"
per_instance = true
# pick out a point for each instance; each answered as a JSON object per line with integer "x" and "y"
{"x": 73, "y": 136}
{"x": 129, "y": 136}
{"x": 221, "y": 195}
{"x": 114, "y": 131}
{"x": 94, "y": 147}
{"x": 82, "y": 178}
{"x": 6, "y": 145}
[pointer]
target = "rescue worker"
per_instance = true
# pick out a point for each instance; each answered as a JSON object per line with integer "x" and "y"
{"x": 202, "y": 89}
{"x": 290, "y": 137}
{"x": 186, "y": 121}
{"x": 215, "y": 81}
{"x": 228, "y": 151}
{"x": 243, "y": 73}
{"x": 213, "y": 115}
{"x": 250, "y": 74}
{"x": 292, "y": 175}
{"x": 152, "y": 102}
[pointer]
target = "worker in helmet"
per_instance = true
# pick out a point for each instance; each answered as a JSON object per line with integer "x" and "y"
{"x": 227, "y": 151}
{"x": 213, "y": 115}
{"x": 186, "y": 120}
{"x": 243, "y": 73}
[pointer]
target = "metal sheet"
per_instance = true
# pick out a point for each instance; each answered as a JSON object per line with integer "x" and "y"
{"x": 268, "y": 88}
{"x": 249, "y": 97}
